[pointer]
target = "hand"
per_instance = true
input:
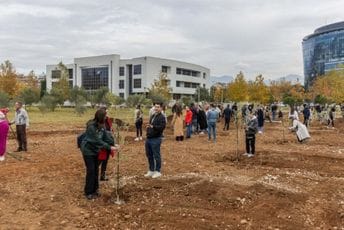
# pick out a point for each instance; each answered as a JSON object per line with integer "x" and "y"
{"x": 115, "y": 148}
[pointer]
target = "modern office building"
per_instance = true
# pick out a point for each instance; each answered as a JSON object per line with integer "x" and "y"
{"x": 323, "y": 51}
{"x": 125, "y": 77}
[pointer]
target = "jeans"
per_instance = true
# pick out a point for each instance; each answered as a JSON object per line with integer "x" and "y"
{"x": 227, "y": 120}
{"x": 92, "y": 184}
{"x": 250, "y": 143}
{"x": 212, "y": 129}
{"x": 195, "y": 126}
{"x": 188, "y": 130}
{"x": 138, "y": 125}
{"x": 152, "y": 146}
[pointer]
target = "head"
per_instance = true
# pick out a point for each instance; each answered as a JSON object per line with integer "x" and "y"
{"x": 138, "y": 106}
{"x": 18, "y": 105}
{"x": 99, "y": 117}
{"x": 158, "y": 107}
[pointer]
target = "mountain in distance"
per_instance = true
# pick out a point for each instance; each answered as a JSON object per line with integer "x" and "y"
{"x": 293, "y": 78}
{"x": 221, "y": 79}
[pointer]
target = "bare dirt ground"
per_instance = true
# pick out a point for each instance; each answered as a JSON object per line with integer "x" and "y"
{"x": 287, "y": 185}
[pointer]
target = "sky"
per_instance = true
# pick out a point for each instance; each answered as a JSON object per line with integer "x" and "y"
{"x": 227, "y": 36}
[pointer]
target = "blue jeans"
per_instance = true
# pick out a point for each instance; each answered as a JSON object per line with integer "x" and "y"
{"x": 188, "y": 130}
{"x": 212, "y": 129}
{"x": 195, "y": 126}
{"x": 152, "y": 146}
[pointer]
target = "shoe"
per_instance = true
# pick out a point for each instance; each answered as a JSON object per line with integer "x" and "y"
{"x": 2, "y": 158}
{"x": 96, "y": 194}
{"x": 260, "y": 132}
{"x": 104, "y": 178}
{"x": 202, "y": 133}
{"x": 245, "y": 154}
{"x": 250, "y": 155}
{"x": 18, "y": 150}
{"x": 140, "y": 138}
{"x": 149, "y": 174}
{"x": 136, "y": 139}
{"x": 156, "y": 174}
{"x": 90, "y": 197}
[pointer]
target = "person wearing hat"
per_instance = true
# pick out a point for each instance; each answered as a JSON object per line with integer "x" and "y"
{"x": 4, "y": 127}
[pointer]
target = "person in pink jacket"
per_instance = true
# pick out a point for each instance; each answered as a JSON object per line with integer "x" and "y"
{"x": 4, "y": 127}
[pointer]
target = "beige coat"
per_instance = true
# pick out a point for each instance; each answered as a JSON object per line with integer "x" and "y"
{"x": 177, "y": 123}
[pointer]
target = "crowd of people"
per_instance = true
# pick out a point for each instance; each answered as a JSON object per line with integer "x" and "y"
{"x": 98, "y": 142}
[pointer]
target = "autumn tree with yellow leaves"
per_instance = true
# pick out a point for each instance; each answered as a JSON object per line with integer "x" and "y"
{"x": 8, "y": 79}
{"x": 258, "y": 91}
{"x": 238, "y": 90}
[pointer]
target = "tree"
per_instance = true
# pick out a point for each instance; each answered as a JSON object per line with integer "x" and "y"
{"x": 135, "y": 99}
{"x": 61, "y": 90}
{"x": 29, "y": 96}
{"x": 4, "y": 99}
{"x": 238, "y": 90}
{"x": 78, "y": 97}
{"x": 8, "y": 79}
{"x": 48, "y": 103}
{"x": 330, "y": 86}
{"x": 99, "y": 97}
{"x": 258, "y": 91}
{"x": 160, "y": 88}
{"x": 202, "y": 94}
{"x": 279, "y": 89}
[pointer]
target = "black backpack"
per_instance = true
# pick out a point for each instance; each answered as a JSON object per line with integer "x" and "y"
{"x": 80, "y": 138}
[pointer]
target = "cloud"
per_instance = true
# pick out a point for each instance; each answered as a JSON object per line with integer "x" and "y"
{"x": 258, "y": 37}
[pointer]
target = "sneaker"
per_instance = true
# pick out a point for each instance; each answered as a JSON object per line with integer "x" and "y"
{"x": 250, "y": 155}
{"x": 2, "y": 158}
{"x": 140, "y": 138}
{"x": 202, "y": 133}
{"x": 136, "y": 139}
{"x": 156, "y": 174}
{"x": 90, "y": 197}
{"x": 149, "y": 174}
{"x": 245, "y": 154}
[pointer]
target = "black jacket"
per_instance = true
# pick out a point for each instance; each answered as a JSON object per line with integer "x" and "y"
{"x": 158, "y": 121}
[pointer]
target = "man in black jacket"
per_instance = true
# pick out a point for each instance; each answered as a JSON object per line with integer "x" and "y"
{"x": 155, "y": 128}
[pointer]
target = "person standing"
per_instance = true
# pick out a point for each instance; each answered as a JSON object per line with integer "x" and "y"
{"x": 227, "y": 112}
{"x": 331, "y": 117}
{"x": 306, "y": 115}
{"x": 4, "y": 127}
{"x": 21, "y": 120}
{"x": 260, "y": 118}
{"x": 103, "y": 155}
{"x": 202, "y": 120}
{"x": 96, "y": 138}
{"x": 138, "y": 122}
{"x": 155, "y": 128}
{"x": 188, "y": 121}
{"x": 177, "y": 123}
{"x": 212, "y": 117}
{"x": 250, "y": 134}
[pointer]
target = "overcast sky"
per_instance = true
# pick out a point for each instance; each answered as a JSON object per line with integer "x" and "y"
{"x": 255, "y": 36}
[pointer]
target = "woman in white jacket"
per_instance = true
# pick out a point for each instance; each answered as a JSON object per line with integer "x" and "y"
{"x": 302, "y": 133}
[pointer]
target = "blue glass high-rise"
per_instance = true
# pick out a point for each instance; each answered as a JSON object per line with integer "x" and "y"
{"x": 323, "y": 51}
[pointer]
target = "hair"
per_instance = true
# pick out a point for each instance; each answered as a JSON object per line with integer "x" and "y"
{"x": 158, "y": 103}
{"x": 20, "y": 103}
{"x": 99, "y": 117}
{"x": 138, "y": 106}
{"x": 179, "y": 110}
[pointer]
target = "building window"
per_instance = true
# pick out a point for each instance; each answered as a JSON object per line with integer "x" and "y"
{"x": 137, "y": 69}
{"x": 178, "y": 83}
{"x": 179, "y": 71}
{"x": 164, "y": 69}
{"x": 137, "y": 83}
{"x": 187, "y": 85}
{"x": 188, "y": 72}
{"x": 121, "y": 95}
{"x": 56, "y": 74}
{"x": 70, "y": 73}
{"x": 94, "y": 78}
{"x": 194, "y": 85}
{"x": 204, "y": 75}
{"x": 121, "y": 84}
{"x": 70, "y": 84}
{"x": 203, "y": 85}
{"x": 121, "y": 71}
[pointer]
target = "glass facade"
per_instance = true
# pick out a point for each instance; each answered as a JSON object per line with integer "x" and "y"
{"x": 323, "y": 51}
{"x": 94, "y": 78}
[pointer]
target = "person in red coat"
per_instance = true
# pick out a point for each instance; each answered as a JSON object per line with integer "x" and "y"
{"x": 188, "y": 122}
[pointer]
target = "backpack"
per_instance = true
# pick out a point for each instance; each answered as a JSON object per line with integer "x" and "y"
{"x": 80, "y": 139}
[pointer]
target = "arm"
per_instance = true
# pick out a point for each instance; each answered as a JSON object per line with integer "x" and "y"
{"x": 94, "y": 139}
{"x": 159, "y": 124}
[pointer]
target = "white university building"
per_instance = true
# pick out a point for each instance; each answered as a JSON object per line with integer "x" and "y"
{"x": 125, "y": 77}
